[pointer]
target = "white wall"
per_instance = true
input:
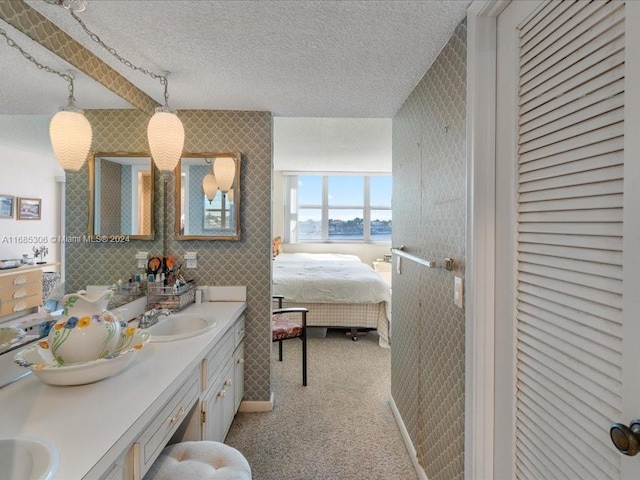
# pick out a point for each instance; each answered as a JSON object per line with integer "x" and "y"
{"x": 325, "y": 145}
{"x": 33, "y": 175}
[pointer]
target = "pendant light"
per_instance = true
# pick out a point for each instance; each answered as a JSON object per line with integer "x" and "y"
{"x": 71, "y": 134}
{"x": 224, "y": 168}
{"x": 165, "y": 133}
{"x": 209, "y": 186}
{"x": 230, "y": 195}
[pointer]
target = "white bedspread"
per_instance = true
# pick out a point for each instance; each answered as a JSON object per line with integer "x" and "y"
{"x": 327, "y": 280}
{"x": 316, "y": 257}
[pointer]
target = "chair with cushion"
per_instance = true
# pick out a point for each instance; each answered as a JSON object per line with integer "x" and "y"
{"x": 199, "y": 461}
{"x": 284, "y": 328}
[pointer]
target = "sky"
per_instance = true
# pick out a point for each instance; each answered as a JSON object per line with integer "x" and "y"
{"x": 344, "y": 190}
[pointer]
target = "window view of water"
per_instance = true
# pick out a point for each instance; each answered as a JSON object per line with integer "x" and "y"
{"x": 345, "y": 230}
{"x": 346, "y": 201}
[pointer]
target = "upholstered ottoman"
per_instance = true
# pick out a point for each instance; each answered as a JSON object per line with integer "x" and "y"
{"x": 199, "y": 461}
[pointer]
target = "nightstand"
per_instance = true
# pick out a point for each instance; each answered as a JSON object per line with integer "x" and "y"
{"x": 384, "y": 269}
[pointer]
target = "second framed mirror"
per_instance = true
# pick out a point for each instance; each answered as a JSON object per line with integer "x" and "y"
{"x": 207, "y": 197}
{"x": 121, "y": 195}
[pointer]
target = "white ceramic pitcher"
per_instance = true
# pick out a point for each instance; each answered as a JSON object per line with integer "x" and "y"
{"x": 86, "y": 331}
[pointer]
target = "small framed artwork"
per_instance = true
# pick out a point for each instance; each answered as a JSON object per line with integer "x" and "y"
{"x": 6, "y": 206}
{"x": 29, "y": 208}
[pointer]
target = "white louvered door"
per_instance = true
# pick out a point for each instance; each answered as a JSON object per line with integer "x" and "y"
{"x": 575, "y": 235}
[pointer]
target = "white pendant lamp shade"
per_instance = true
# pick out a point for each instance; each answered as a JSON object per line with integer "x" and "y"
{"x": 71, "y": 135}
{"x": 230, "y": 195}
{"x": 166, "y": 139}
{"x": 209, "y": 186}
{"x": 224, "y": 169}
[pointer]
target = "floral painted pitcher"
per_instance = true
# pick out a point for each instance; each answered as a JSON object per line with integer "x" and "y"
{"x": 87, "y": 330}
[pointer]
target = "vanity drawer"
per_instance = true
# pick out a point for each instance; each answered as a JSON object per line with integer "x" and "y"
{"x": 21, "y": 278}
{"x": 239, "y": 331}
{"x": 217, "y": 358}
{"x": 20, "y": 291}
{"x": 19, "y": 304}
{"x": 167, "y": 422}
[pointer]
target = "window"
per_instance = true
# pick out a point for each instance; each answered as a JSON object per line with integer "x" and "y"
{"x": 339, "y": 208}
{"x": 217, "y": 213}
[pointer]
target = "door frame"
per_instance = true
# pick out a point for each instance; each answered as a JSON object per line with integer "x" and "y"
{"x": 480, "y": 274}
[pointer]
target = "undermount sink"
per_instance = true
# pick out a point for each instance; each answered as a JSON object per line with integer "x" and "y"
{"x": 178, "y": 326}
{"x": 27, "y": 458}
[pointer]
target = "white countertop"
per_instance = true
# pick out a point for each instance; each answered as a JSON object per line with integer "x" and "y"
{"x": 86, "y": 422}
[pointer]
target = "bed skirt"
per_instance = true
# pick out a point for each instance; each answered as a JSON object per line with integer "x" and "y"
{"x": 347, "y": 315}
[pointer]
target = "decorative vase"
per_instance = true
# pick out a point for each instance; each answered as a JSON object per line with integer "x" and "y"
{"x": 86, "y": 331}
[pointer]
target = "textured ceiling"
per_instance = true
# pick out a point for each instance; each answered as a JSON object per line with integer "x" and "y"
{"x": 293, "y": 58}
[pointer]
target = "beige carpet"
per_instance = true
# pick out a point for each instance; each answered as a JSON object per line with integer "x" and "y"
{"x": 338, "y": 427}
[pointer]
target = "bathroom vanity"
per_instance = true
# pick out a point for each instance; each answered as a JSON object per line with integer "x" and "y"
{"x": 21, "y": 288}
{"x": 188, "y": 389}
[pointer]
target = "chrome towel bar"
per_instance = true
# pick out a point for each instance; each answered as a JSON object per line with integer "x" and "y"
{"x": 447, "y": 263}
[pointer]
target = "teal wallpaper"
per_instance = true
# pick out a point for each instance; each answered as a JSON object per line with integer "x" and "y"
{"x": 245, "y": 262}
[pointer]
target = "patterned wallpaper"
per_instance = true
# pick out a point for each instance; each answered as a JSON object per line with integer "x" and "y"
{"x": 427, "y": 355}
{"x": 125, "y": 199}
{"x": 245, "y": 262}
{"x": 110, "y": 197}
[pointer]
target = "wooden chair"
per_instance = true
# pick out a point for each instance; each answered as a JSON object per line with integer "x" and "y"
{"x": 283, "y": 328}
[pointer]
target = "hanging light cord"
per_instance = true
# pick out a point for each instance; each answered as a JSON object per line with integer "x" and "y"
{"x": 162, "y": 78}
{"x": 66, "y": 76}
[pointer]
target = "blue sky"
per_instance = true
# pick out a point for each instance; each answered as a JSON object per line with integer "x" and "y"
{"x": 343, "y": 191}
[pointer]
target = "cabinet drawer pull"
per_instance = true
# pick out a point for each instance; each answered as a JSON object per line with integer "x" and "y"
{"x": 240, "y": 361}
{"x": 20, "y": 293}
{"x": 228, "y": 382}
{"x": 19, "y": 306}
{"x": 222, "y": 393}
{"x": 178, "y": 415}
{"x": 20, "y": 280}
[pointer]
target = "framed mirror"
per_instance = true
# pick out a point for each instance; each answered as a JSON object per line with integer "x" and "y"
{"x": 208, "y": 196}
{"x": 121, "y": 195}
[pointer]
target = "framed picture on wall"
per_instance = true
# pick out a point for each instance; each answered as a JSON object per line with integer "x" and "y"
{"x": 6, "y": 206}
{"x": 29, "y": 208}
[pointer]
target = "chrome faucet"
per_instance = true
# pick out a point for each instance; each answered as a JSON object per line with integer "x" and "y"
{"x": 151, "y": 317}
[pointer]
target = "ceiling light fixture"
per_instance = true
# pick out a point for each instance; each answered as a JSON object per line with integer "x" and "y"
{"x": 69, "y": 130}
{"x": 165, "y": 131}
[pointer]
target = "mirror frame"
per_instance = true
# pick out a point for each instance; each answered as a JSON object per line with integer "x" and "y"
{"x": 237, "y": 156}
{"x": 92, "y": 177}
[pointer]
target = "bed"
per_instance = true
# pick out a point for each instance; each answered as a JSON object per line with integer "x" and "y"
{"x": 339, "y": 290}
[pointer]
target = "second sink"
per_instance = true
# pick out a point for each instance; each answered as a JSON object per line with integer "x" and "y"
{"x": 27, "y": 459}
{"x": 178, "y": 326}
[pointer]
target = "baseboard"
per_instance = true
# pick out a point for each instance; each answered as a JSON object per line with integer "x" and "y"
{"x": 257, "y": 406}
{"x": 407, "y": 440}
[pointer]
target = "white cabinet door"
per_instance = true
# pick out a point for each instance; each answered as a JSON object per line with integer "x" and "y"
{"x": 217, "y": 406}
{"x": 568, "y": 216}
{"x": 238, "y": 374}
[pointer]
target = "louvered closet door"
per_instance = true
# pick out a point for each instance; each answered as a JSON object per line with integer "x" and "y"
{"x": 570, "y": 173}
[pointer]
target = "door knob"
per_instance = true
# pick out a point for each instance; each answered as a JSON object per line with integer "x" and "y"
{"x": 626, "y": 439}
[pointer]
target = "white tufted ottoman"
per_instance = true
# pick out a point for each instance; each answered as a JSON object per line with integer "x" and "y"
{"x": 199, "y": 461}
